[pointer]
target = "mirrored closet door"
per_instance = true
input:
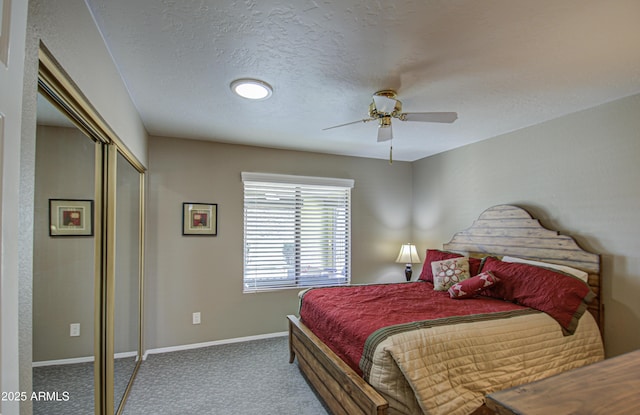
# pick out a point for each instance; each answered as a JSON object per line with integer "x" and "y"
{"x": 64, "y": 247}
{"x": 127, "y": 269}
{"x": 88, "y": 254}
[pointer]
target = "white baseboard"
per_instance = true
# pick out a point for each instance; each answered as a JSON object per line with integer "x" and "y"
{"x": 212, "y": 343}
{"x": 69, "y": 361}
{"x": 124, "y": 355}
{"x": 75, "y": 360}
{"x": 88, "y": 359}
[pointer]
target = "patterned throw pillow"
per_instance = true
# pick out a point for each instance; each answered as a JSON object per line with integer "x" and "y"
{"x": 449, "y": 272}
{"x": 471, "y": 287}
{"x": 432, "y": 255}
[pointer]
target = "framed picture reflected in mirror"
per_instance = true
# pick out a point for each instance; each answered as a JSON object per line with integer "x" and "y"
{"x": 70, "y": 217}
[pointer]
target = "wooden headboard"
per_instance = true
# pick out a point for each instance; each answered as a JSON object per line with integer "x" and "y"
{"x": 510, "y": 230}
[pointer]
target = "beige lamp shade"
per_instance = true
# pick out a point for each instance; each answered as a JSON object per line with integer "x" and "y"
{"x": 408, "y": 254}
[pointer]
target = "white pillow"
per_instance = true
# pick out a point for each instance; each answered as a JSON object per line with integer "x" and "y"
{"x": 584, "y": 276}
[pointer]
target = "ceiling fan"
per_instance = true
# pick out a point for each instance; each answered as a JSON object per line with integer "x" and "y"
{"x": 385, "y": 106}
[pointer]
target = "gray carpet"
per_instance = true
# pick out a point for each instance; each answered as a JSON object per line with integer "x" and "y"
{"x": 75, "y": 380}
{"x": 247, "y": 378}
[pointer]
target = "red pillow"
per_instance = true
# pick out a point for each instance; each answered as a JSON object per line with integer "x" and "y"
{"x": 433, "y": 255}
{"x": 469, "y": 288}
{"x": 562, "y": 296}
{"x": 474, "y": 266}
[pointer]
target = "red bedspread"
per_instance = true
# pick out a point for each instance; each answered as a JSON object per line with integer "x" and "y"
{"x": 344, "y": 317}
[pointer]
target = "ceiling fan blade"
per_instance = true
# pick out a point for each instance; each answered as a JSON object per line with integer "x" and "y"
{"x": 385, "y": 133}
{"x": 384, "y": 104}
{"x": 349, "y": 123}
{"x": 445, "y": 117}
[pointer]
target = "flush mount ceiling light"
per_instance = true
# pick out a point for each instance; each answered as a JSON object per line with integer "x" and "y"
{"x": 251, "y": 88}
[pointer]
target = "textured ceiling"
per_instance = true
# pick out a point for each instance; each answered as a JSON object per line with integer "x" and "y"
{"x": 501, "y": 64}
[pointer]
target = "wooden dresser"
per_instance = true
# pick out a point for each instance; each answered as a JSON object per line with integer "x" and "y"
{"x": 610, "y": 387}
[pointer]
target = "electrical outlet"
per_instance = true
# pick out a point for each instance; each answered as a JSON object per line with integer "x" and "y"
{"x": 196, "y": 318}
{"x": 74, "y": 329}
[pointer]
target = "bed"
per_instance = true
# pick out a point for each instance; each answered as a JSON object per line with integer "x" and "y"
{"x": 446, "y": 364}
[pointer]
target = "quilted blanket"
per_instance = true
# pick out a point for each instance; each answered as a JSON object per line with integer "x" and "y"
{"x": 344, "y": 317}
{"x": 449, "y": 369}
{"x": 429, "y": 354}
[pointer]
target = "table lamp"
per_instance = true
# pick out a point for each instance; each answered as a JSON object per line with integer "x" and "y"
{"x": 408, "y": 255}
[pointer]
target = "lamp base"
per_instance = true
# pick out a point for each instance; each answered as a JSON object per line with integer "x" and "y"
{"x": 408, "y": 272}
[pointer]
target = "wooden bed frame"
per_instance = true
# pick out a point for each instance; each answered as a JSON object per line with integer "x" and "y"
{"x": 500, "y": 230}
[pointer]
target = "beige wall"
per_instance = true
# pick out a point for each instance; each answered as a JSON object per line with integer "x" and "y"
{"x": 187, "y": 274}
{"x": 578, "y": 174}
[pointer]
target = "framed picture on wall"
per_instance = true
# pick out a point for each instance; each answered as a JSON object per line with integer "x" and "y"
{"x": 70, "y": 217}
{"x": 200, "y": 219}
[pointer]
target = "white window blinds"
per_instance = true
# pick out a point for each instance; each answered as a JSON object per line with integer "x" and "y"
{"x": 297, "y": 231}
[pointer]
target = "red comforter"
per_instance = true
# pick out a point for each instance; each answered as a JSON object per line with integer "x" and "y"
{"x": 344, "y": 317}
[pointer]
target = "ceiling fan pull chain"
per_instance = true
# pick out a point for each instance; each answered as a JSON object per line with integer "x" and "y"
{"x": 391, "y": 153}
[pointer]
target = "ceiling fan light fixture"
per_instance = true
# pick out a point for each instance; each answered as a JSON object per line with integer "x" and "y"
{"x": 253, "y": 89}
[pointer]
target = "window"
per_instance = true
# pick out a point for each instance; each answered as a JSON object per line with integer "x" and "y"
{"x": 297, "y": 231}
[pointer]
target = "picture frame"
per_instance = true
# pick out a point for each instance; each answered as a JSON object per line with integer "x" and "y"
{"x": 70, "y": 217}
{"x": 200, "y": 219}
